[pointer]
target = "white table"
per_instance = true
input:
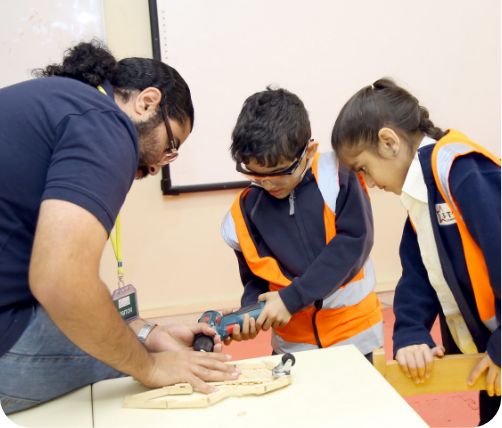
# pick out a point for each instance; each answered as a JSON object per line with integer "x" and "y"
{"x": 72, "y": 410}
{"x": 335, "y": 387}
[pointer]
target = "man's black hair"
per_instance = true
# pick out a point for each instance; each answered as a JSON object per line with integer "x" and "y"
{"x": 93, "y": 64}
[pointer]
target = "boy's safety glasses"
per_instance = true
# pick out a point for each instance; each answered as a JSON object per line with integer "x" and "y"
{"x": 290, "y": 170}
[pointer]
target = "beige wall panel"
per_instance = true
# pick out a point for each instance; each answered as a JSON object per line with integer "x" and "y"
{"x": 172, "y": 249}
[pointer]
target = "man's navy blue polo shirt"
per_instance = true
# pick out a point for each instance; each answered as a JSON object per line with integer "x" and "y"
{"x": 59, "y": 139}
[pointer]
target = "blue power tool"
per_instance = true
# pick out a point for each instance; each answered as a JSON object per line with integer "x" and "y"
{"x": 224, "y": 324}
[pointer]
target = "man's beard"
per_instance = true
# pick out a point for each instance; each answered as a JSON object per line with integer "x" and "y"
{"x": 147, "y": 142}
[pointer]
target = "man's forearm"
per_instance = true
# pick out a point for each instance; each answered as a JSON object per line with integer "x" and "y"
{"x": 86, "y": 315}
{"x": 64, "y": 278}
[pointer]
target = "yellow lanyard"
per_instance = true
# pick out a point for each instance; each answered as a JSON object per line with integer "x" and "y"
{"x": 116, "y": 240}
{"x": 101, "y": 89}
{"x": 117, "y": 249}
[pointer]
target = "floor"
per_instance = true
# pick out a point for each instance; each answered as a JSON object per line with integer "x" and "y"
{"x": 438, "y": 410}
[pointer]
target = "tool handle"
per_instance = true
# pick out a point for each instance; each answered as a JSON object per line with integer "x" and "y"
{"x": 253, "y": 311}
{"x": 227, "y": 323}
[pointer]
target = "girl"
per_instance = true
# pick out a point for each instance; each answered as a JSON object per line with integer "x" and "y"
{"x": 450, "y": 249}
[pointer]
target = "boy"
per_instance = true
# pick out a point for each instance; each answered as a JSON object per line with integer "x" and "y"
{"x": 302, "y": 233}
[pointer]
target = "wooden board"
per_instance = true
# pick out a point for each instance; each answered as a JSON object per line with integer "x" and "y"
{"x": 255, "y": 379}
{"x": 449, "y": 374}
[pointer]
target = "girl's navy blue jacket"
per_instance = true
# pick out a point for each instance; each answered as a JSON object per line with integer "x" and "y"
{"x": 475, "y": 186}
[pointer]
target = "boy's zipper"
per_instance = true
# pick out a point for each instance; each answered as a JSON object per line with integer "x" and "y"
{"x": 301, "y": 230}
{"x": 292, "y": 203}
{"x": 317, "y": 303}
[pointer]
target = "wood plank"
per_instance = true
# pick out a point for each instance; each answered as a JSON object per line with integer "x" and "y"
{"x": 449, "y": 374}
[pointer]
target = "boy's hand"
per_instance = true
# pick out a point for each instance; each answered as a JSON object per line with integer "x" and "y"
{"x": 416, "y": 361}
{"x": 274, "y": 314}
{"x": 492, "y": 380}
{"x": 249, "y": 330}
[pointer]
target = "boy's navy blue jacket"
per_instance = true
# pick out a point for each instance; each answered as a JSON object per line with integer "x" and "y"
{"x": 298, "y": 241}
{"x": 475, "y": 186}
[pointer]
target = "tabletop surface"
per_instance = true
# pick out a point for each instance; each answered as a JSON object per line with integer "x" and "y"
{"x": 330, "y": 387}
{"x": 72, "y": 410}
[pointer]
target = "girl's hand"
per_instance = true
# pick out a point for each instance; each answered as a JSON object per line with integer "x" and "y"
{"x": 492, "y": 379}
{"x": 416, "y": 361}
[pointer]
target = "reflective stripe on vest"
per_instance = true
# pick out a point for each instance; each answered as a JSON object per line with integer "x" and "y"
{"x": 453, "y": 145}
{"x": 419, "y": 215}
{"x": 345, "y": 313}
{"x": 366, "y": 341}
{"x": 325, "y": 171}
{"x": 227, "y": 229}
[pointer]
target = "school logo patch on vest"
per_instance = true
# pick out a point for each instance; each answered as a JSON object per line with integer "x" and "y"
{"x": 445, "y": 215}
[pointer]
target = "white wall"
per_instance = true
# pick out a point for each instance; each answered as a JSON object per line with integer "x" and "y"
{"x": 172, "y": 250}
{"x": 446, "y": 52}
{"x": 171, "y": 246}
{"x": 34, "y": 34}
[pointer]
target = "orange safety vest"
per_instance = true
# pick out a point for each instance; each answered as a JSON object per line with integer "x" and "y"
{"x": 446, "y": 150}
{"x": 333, "y": 324}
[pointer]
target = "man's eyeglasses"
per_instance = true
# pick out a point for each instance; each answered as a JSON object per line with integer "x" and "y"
{"x": 290, "y": 170}
{"x": 171, "y": 151}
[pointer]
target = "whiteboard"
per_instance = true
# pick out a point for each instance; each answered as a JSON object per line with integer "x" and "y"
{"x": 35, "y": 33}
{"x": 447, "y": 53}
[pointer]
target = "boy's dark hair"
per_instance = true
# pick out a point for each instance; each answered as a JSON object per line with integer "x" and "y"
{"x": 376, "y": 106}
{"x": 93, "y": 64}
{"x": 273, "y": 126}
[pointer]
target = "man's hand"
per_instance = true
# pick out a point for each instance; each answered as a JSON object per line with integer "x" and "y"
{"x": 416, "y": 361}
{"x": 274, "y": 314}
{"x": 179, "y": 337}
{"x": 492, "y": 379}
{"x": 64, "y": 278}
{"x": 193, "y": 367}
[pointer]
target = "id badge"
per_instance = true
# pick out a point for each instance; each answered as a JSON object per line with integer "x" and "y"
{"x": 126, "y": 302}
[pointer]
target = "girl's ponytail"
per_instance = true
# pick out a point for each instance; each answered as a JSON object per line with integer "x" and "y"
{"x": 427, "y": 126}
